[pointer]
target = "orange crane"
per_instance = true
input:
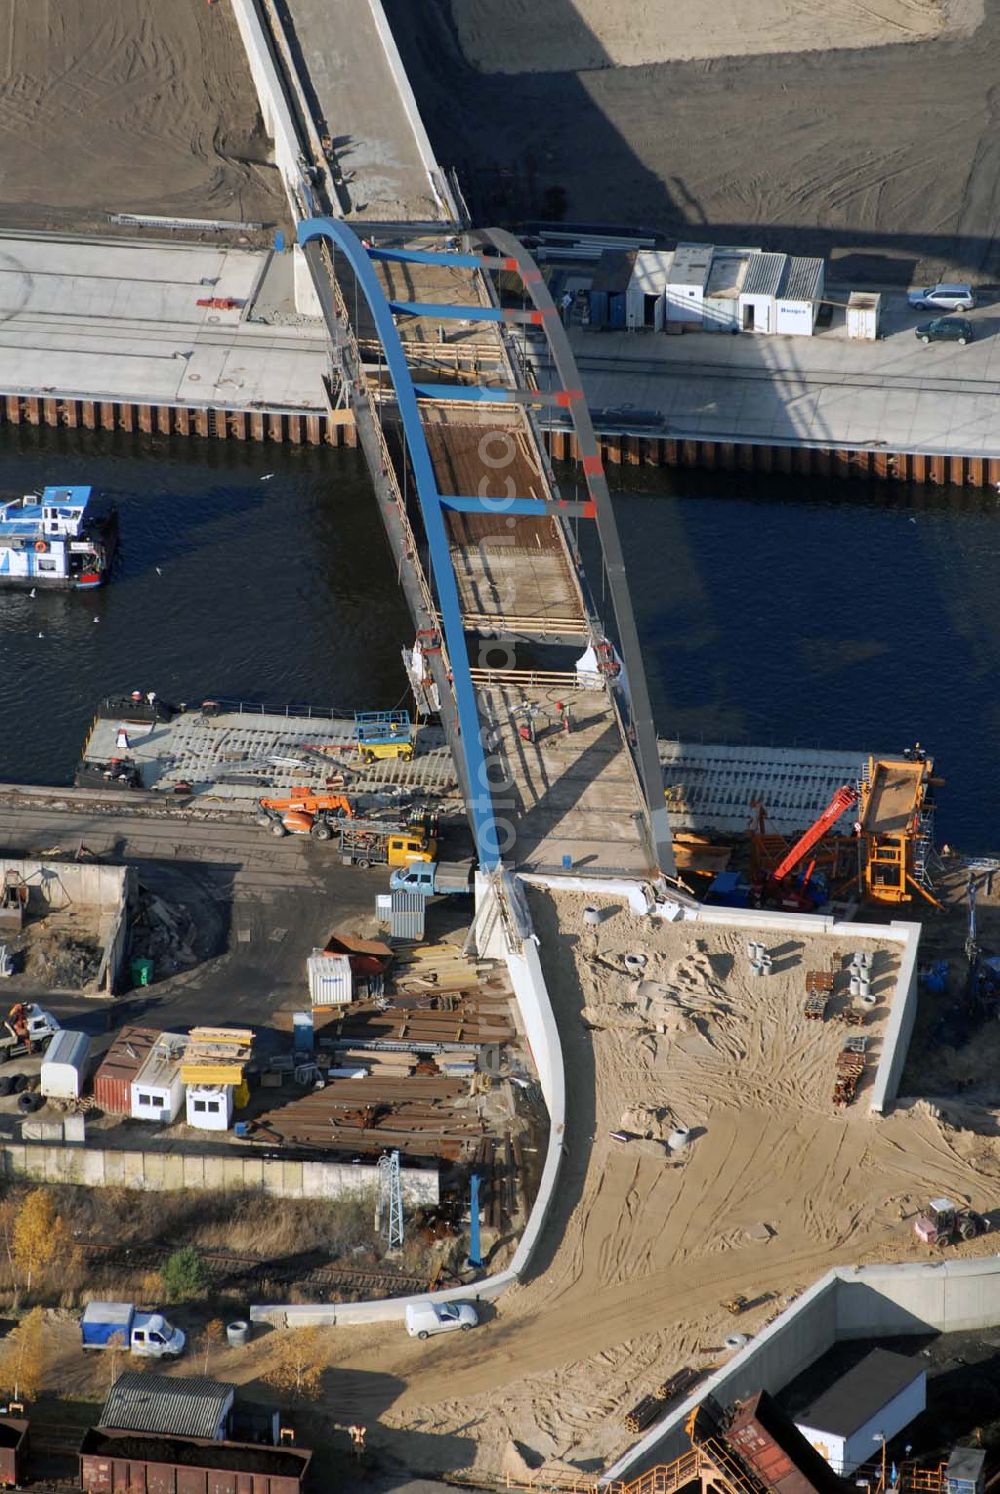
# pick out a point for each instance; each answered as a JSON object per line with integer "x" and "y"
{"x": 304, "y": 811}
{"x": 775, "y": 887}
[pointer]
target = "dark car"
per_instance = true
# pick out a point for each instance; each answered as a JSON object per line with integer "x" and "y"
{"x": 946, "y": 329}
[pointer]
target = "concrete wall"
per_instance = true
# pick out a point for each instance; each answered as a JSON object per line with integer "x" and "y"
{"x": 902, "y": 1016}
{"x": 848, "y": 1303}
{"x": 149, "y": 1171}
{"x": 524, "y": 967}
{"x": 274, "y": 109}
{"x": 55, "y": 886}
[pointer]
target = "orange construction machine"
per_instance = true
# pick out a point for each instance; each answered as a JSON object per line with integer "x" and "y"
{"x": 304, "y": 811}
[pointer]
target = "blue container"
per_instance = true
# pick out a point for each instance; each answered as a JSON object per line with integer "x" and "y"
{"x": 241, "y": 1128}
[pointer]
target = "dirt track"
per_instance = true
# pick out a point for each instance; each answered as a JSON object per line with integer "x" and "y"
{"x": 640, "y": 1252}
{"x": 128, "y": 105}
{"x": 888, "y": 158}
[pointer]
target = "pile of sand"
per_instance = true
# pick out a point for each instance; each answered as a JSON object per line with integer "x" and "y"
{"x": 540, "y": 36}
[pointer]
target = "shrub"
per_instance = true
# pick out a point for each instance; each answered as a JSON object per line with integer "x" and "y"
{"x": 184, "y": 1275}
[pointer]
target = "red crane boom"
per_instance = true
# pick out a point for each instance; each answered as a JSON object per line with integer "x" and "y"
{"x": 845, "y": 798}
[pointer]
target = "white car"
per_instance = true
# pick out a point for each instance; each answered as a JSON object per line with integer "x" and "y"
{"x": 425, "y": 1318}
{"x": 944, "y": 297}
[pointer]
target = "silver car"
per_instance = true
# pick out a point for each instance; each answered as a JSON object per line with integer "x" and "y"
{"x": 944, "y": 297}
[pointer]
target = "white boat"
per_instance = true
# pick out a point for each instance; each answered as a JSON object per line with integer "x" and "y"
{"x": 59, "y": 540}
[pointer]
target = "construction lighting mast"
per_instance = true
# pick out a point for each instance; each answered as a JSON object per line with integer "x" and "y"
{"x": 390, "y": 1200}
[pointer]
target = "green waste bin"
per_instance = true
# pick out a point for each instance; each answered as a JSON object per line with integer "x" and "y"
{"x": 142, "y": 972}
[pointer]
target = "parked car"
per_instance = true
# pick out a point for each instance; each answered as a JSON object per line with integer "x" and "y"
{"x": 425, "y": 1318}
{"x": 944, "y": 297}
{"x": 946, "y": 329}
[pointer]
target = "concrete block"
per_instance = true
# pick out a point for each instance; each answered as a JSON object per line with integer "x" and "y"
{"x": 253, "y": 1172}
{"x": 154, "y": 1172}
{"x": 173, "y": 1172}
{"x": 214, "y": 1173}
{"x": 234, "y": 1174}
{"x": 92, "y": 1167}
{"x": 194, "y": 1172}
{"x": 133, "y": 1169}
{"x": 75, "y": 1129}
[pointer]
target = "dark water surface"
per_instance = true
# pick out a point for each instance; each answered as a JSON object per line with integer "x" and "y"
{"x": 770, "y": 611}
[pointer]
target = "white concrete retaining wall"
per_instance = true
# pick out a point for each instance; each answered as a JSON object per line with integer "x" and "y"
{"x": 274, "y": 108}
{"x": 525, "y": 969}
{"x": 902, "y": 1015}
{"x": 848, "y": 1303}
{"x": 166, "y": 1172}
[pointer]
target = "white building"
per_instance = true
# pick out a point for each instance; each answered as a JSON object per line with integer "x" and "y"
{"x": 209, "y": 1107}
{"x": 797, "y": 306}
{"x": 158, "y": 1089}
{"x": 686, "y": 281}
{"x": 873, "y": 1401}
{"x": 645, "y": 298}
{"x": 759, "y": 292}
{"x": 864, "y": 311}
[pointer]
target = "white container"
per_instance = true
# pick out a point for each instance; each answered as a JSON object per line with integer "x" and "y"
{"x": 645, "y": 298}
{"x": 209, "y": 1107}
{"x": 331, "y": 980}
{"x": 864, "y": 312}
{"x": 686, "y": 281}
{"x": 64, "y": 1066}
{"x": 158, "y": 1089}
{"x": 877, "y": 1398}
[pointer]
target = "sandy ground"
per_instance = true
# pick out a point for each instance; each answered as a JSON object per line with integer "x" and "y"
{"x": 642, "y": 1250}
{"x": 128, "y": 105}
{"x": 879, "y": 157}
{"x": 540, "y": 36}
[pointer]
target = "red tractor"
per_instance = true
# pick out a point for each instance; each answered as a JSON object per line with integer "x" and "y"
{"x": 944, "y": 1223}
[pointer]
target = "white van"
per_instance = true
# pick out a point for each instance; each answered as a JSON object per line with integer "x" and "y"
{"x": 425, "y": 1318}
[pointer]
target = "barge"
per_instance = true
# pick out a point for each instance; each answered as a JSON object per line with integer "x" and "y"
{"x": 61, "y": 541}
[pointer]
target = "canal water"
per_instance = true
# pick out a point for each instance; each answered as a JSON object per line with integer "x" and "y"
{"x": 771, "y": 610}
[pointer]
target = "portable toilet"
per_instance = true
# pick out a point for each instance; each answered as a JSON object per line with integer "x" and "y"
{"x": 686, "y": 281}
{"x": 209, "y": 1107}
{"x": 64, "y": 1067}
{"x": 965, "y": 1471}
{"x": 608, "y": 293}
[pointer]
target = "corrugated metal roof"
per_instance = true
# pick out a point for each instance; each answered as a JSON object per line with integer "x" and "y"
{"x": 860, "y": 1394}
{"x": 804, "y": 279}
{"x": 691, "y": 264}
{"x": 192, "y": 1406}
{"x": 407, "y": 915}
{"x": 127, "y": 1053}
{"x": 68, "y": 1046}
{"x": 764, "y": 274}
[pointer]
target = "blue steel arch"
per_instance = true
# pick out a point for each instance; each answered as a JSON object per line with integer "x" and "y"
{"x": 480, "y": 806}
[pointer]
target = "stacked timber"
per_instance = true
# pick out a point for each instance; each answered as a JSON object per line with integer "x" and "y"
{"x": 217, "y": 1055}
{"x": 850, "y": 1067}
{"x": 437, "y": 968}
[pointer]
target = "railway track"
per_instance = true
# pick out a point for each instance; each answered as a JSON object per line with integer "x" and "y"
{"x": 231, "y": 1267}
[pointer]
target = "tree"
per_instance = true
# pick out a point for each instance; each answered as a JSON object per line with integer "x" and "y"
{"x": 39, "y": 1236}
{"x": 184, "y": 1275}
{"x": 296, "y": 1369}
{"x": 211, "y": 1337}
{"x": 24, "y": 1361}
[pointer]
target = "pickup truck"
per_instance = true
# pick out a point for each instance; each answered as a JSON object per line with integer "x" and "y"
{"x": 42, "y": 1028}
{"x": 430, "y": 877}
{"x": 143, "y": 1333}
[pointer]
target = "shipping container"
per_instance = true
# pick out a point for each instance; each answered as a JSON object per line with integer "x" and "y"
{"x": 609, "y": 287}
{"x": 145, "y": 1463}
{"x": 864, "y": 312}
{"x": 158, "y": 1089}
{"x": 406, "y": 920}
{"x": 645, "y": 296}
{"x": 685, "y": 288}
{"x": 121, "y": 1063}
{"x": 765, "y": 275}
{"x": 797, "y": 305}
{"x": 770, "y": 1443}
{"x": 14, "y": 1444}
{"x": 65, "y": 1065}
{"x": 331, "y": 981}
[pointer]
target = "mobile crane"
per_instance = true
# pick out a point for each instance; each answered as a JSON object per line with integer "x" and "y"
{"x": 777, "y": 888}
